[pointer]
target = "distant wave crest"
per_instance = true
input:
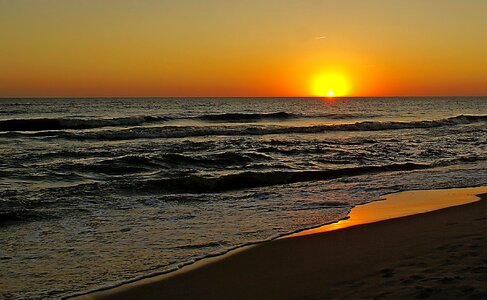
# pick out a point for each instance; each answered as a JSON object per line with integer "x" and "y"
{"x": 194, "y": 131}
{"x": 66, "y": 123}
{"x": 43, "y": 124}
{"x": 254, "y": 117}
{"x": 246, "y": 117}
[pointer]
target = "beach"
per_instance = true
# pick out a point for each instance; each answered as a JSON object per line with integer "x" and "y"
{"x": 437, "y": 254}
{"x": 102, "y": 192}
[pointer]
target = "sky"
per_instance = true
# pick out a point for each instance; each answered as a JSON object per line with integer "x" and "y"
{"x": 115, "y": 48}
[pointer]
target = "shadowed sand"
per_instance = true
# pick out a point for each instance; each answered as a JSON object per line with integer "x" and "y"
{"x": 437, "y": 255}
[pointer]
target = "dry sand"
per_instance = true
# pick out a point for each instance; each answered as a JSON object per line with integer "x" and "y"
{"x": 436, "y": 255}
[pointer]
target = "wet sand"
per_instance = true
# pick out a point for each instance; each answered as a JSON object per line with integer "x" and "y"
{"x": 439, "y": 254}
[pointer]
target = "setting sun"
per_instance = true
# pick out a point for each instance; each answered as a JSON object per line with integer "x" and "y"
{"x": 330, "y": 85}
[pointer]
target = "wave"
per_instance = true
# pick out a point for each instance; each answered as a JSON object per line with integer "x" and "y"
{"x": 120, "y": 165}
{"x": 130, "y": 164}
{"x": 251, "y": 179}
{"x": 244, "y": 180}
{"x": 216, "y": 159}
{"x": 246, "y": 117}
{"x": 184, "y": 187}
{"x": 51, "y": 128}
{"x": 196, "y": 131}
{"x": 44, "y": 124}
{"x": 254, "y": 117}
{"x": 66, "y": 123}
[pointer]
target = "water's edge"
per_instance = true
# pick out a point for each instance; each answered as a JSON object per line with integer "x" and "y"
{"x": 212, "y": 257}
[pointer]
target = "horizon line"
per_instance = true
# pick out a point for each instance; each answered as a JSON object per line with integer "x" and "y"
{"x": 232, "y": 97}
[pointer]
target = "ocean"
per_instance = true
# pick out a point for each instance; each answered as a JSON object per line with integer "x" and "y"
{"x": 96, "y": 192}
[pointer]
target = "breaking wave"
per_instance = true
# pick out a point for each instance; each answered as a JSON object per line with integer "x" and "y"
{"x": 244, "y": 180}
{"x": 253, "y": 117}
{"x": 246, "y": 117}
{"x": 64, "y": 123}
{"x": 195, "y": 131}
{"x": 43, "y": 124}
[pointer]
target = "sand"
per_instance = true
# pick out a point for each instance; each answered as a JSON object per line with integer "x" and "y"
{"x": 436, "y": 255}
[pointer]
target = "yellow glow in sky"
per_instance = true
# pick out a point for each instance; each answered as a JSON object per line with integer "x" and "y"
{"x": 330, "y": 84}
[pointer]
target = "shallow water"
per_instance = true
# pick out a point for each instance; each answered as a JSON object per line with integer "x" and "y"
{"x": 98, "y": 191}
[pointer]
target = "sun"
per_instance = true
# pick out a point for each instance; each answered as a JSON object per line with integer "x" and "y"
{"x": 330, "y": 84}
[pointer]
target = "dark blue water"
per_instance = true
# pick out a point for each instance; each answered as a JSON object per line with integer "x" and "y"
{"x": 99, "y": 191}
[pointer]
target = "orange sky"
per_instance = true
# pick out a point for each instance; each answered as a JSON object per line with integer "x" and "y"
{"x": 242, "y": 48}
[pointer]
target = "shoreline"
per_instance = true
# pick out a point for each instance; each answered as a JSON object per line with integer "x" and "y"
{"x": 187, "y": 281}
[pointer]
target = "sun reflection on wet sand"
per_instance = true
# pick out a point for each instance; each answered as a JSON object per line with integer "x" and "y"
{"x": 400, "y": 205}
